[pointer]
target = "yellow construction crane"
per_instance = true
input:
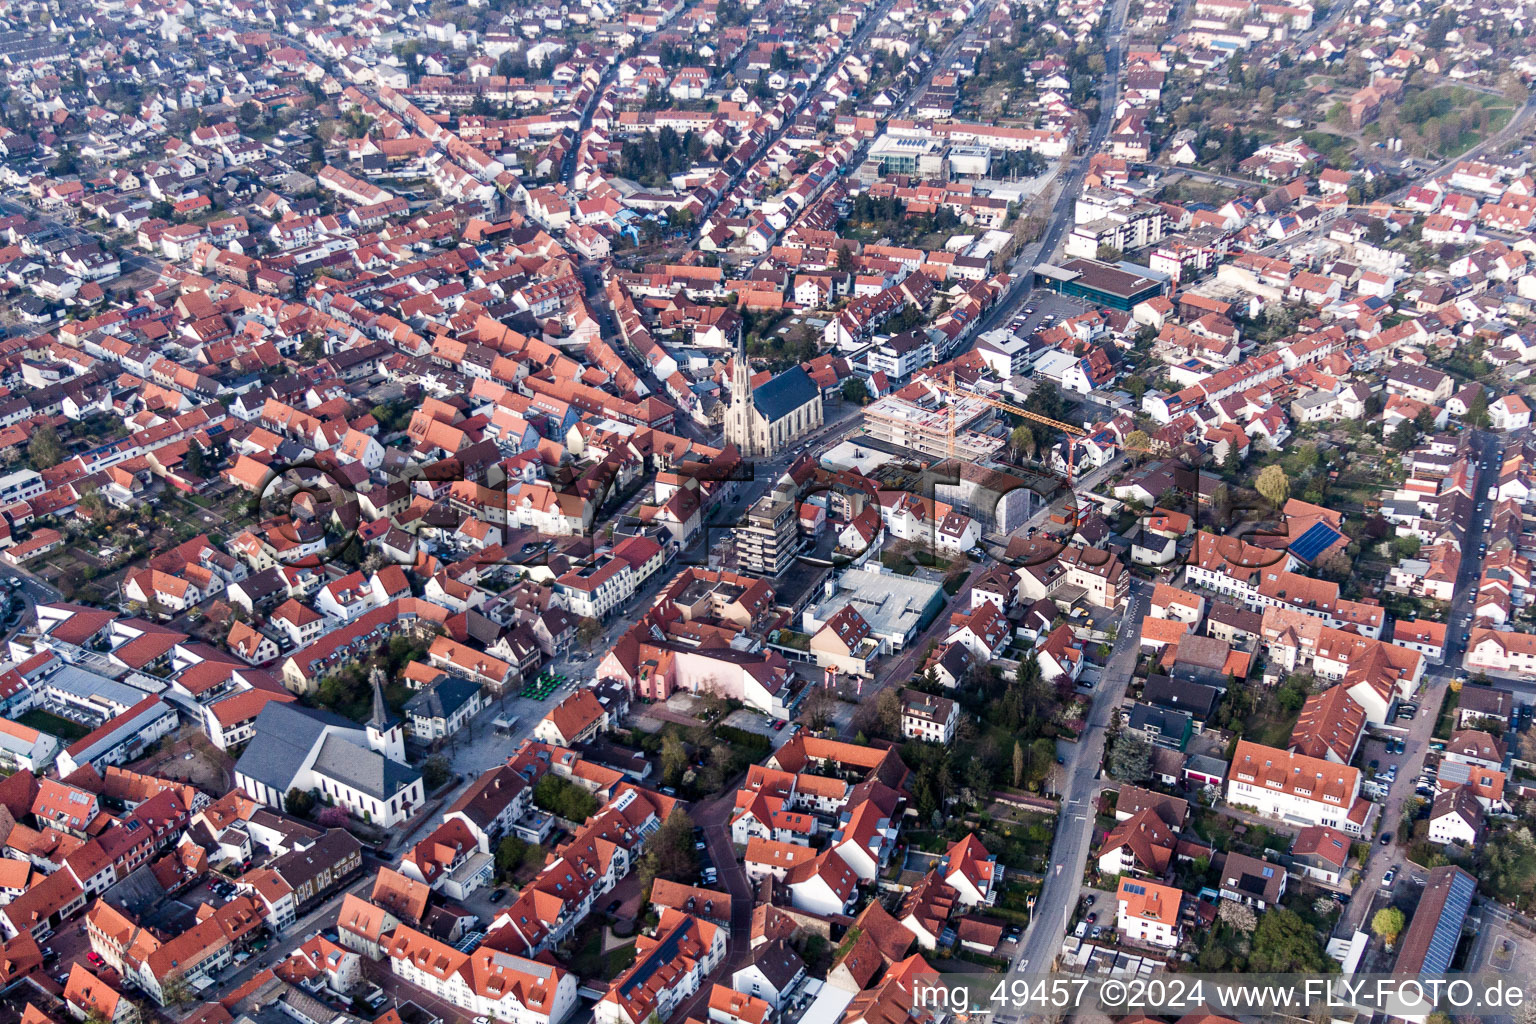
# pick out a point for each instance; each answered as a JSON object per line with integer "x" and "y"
{"x": 948, "y": 386}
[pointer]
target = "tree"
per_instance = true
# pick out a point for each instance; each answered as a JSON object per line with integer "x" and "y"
{"x": 1283, "y": 943}
{"x": 435, "y": 771}
{"x": 299, "y": 802}
{"x": 1130, "y": 759}
{"x": 510, "y": 855}
{"x": 45, "y": 450}
{"x": 1403, "y": 435}
{"x": 1023, "y": 440}
{"x": 1273, "y": 484}
{"x": 174, "y": 990}
{"x": 669, "y": 852}
{"x": 1041, "y": 755}
{"x": 674, "y": 759}
{"x": 564, "y": 799}
{"x": 1238, "y": 915}
{"x": 855, "y": 391}
{"x": 1018, "y": 763}
{"x": 1137, "y": 386}
{"x": 333, "y": 817}
{"x": 1137, "y": 439}
{"x": 888, "y": 712}
{"x": 845, "y": 259}
{"x": 1477, "y": 409}
{"x": 1509, "y": 866}
{"x": 1388, "y": 925}
{"x": 588, "y": 632}
{"x": 1338, "y": 566}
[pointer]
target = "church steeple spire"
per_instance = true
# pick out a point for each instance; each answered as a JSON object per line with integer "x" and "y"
{"x": 380, "y": 719}
{"x": 738, "y": 418}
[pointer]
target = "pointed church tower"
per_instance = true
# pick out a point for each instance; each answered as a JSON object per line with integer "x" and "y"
{"x": 738, "y": 418}
{"x": 384, "y": 730}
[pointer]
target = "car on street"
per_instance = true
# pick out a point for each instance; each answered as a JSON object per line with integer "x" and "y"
{"x": 1388, "y": 878}
{"x": 1386, "y": 838}
{"x": 613, "y": 908}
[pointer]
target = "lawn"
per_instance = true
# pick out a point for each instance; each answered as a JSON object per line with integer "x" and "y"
{"x": 44, "y": 721}
{"x": 592, "y": 964}
{"x": 1447, "y": 717}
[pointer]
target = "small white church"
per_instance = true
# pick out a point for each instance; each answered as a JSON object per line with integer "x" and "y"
{"x": 306, "y": 750}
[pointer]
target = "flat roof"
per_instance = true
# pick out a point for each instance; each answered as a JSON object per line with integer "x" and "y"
{"x": 892, "y": 604}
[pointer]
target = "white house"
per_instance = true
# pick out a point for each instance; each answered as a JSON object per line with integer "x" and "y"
{"x": 1147, "y": 912}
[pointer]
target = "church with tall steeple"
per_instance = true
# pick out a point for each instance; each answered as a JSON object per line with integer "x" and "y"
{"x": 763, "y": 421}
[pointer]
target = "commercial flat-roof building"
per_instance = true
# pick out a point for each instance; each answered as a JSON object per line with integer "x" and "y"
{"x": 895, "y": 607}
{"x": 1101, "y": 283}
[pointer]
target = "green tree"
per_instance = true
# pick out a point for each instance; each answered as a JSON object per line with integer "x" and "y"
{"x": 1283, "y": 943}
{"x": 564, "y": 799}
{"x": 1403, "y": 435}
{"x": 435, "y": 771}
{"x": 1388, "y": 924}
{"x": 855, "y": 391}
{"x": 1508, "y": 873}
{"x": 1477, "y": 409}
{"x": 1136, "y": 443}
{"x": 299, "y": 802}
{"x": 1018, "y": 763}
{"x": 1130, "y": 759}
{"x": 588, "y": 631}
{"x": 1023, "y": 440}
{"x": 1273, "y": 484}
{"x": 674, "y": 759}
{"x": 1041, "y": 755}
{"x": 45, "y": 450}
{"x": 669, "y": 852}
{"x": 510, "y": 853}
{"x": 1137, "y": 386}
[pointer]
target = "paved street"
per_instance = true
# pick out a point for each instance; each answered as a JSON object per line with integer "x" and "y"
{"x": 1431, "y": 696}
{"x": 1074, "y": 825}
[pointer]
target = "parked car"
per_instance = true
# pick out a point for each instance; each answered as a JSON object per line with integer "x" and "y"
{"x": 498, "y": 895}
{"x": 1386, "y": 838}
{"x": 1388, "y": 878}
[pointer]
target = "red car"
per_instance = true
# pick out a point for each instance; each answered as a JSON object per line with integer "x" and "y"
{"x": 778, "y": 725}
{"x": 94, "y": 958}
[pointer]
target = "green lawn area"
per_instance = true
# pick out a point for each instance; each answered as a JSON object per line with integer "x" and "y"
{"x": 44, "y": 721}
{"x": 590, "y": 962}
{"x": 1447, "y": 715}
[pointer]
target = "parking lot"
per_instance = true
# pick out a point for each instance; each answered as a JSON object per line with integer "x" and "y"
{"x": 1044, "y": 304}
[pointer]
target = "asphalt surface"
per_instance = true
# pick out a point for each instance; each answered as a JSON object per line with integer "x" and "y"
{"x": 1083, "y": 782}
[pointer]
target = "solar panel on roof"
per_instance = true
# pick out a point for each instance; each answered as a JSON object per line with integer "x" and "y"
{"x": 1442, "y": 945}
{"x": 1318, "y": 538}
